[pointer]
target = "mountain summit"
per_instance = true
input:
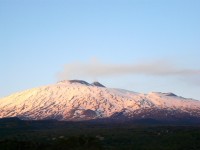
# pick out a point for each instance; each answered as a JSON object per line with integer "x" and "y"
{"x": 80, "y": 100}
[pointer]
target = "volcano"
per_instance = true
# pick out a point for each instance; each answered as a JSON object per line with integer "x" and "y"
{"x": 76, "y": 100}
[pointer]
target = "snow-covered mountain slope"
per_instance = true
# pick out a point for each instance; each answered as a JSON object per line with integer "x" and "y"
{"x": 79, "y": 100}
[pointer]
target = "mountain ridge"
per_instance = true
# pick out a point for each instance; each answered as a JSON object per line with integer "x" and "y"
{"x": 79, "y": 100}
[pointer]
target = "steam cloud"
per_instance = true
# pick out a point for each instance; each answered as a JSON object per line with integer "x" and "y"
{"x": 97, "y": 69}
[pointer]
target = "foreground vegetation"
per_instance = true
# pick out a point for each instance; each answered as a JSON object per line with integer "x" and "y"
{"x": 53, "y": 135}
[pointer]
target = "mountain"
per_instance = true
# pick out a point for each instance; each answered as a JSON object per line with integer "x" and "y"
{"x": 79, "y": 100}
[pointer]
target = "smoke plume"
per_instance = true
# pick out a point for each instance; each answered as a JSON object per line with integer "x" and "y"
{"x": 95, "y": 69}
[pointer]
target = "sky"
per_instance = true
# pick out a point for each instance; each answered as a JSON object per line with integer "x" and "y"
{"x": 138, "y": 45}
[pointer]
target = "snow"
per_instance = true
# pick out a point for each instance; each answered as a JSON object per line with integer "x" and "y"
{"x": 69, "y": 99}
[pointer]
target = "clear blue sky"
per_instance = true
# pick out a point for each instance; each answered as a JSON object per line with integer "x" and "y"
{"x": 39, "y": 37}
